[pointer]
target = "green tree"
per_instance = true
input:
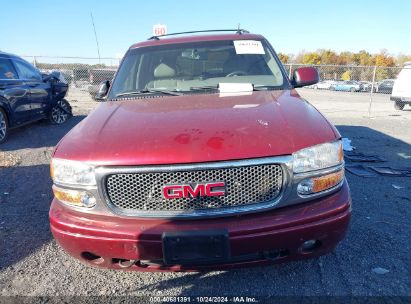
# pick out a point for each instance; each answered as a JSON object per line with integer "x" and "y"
{"x": 344, "y": 58}
{"x": 283, "y": 57}
{"x": 300, "y": 56}
{"x": 383, "y": 59}
{"x": 362, "y": 58}
{"x": 312, "y": 58}
{"x": 328, "y": 56}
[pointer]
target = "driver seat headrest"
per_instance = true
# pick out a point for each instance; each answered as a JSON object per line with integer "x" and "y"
{"x": 164, "y": 71}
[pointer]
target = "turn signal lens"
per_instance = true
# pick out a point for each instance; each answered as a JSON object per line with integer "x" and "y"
{"x": 74, "y": 197}
{"x": 320, "y": 183}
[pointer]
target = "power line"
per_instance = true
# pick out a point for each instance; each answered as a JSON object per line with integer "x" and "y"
{"x": 95, "y": 35}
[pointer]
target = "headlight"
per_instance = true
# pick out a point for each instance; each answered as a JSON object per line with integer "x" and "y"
{"x": 318, "y": 157}
{"x": 68, "y": 172}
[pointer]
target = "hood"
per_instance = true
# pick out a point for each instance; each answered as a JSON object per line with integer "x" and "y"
{"x": 196, "y": 128}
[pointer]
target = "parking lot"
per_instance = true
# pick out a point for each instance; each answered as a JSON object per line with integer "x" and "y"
{"x": 373, "y": 260}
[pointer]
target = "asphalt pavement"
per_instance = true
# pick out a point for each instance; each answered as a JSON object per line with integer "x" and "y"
{"x": 373, "y": 260}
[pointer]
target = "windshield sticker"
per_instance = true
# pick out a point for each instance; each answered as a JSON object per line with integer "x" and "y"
{"x": 248, "y": 47}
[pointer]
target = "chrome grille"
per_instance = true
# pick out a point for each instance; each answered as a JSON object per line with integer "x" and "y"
{"x": 245, "y": 185}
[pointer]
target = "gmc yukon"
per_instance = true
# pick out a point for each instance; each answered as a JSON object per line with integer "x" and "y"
{"x": 202, "y": 156}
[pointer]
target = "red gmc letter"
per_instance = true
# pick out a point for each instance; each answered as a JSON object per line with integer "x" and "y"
{"x": 211, "y": 192}
{"x": 172, "y": 191}
{"x": 198, "y": 190}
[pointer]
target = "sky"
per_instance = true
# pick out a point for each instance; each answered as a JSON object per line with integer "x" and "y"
{"x": 64, "y": 28}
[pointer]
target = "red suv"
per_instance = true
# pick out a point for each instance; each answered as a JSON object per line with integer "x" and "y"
{"x": 203, "y": 155}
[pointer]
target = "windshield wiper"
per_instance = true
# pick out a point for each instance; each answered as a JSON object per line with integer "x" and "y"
{"x": 258, "y": 87}
{"x": 148, "y": 91}
{"x": 255, "y": 88}
{"x": 203, "y": 88}
{"x": 261, "y": 87}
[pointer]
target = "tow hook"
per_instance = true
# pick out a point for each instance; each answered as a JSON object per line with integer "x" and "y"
{"x": 126, "y": 263}
{"x": 271, "y": 255}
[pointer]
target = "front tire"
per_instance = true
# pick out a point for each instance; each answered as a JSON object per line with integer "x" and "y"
{"x": 398, "y": 105}
{"x": 352, "y": 90}
{"x": 61, "y": 112}
{"x": 4, "y": 126}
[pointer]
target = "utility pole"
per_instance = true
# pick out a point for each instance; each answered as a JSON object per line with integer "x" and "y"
{"x": 372, "y": 91}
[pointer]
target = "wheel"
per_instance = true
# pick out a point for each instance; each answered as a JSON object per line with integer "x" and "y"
{"x": 61, "y": 112}
{"x": 332, "y": 88}
{"x": 398, "y": 105}
{"x": 352, "y": 90}
{"x": 4, "y": 126}
{"x": 315, "y": 87}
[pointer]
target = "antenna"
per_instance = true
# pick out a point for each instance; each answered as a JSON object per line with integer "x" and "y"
{"x": 95, "y": 35}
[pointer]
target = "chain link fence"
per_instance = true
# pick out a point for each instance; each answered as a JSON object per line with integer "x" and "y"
{"x": 85, "y": 74}
{"x": 344, "y": 80}
{"x": 78, "y": 71}
{"x": 353, "y": 78}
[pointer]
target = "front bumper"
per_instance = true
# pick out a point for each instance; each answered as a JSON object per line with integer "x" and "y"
{"x": 261, "y": 238}
{"x": 401, "y": 99}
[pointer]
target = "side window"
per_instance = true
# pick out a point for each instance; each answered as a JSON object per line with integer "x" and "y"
{"x": 26, "y": 71}
{"x": 7, "y": 70}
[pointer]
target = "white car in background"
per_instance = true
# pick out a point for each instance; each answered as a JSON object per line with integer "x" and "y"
{"x": 401, "y": 92}
{"x": 366, "y": 86}
{"x": 324, "y": 85}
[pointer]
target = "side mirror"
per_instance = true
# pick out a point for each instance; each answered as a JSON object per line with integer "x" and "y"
{"x": 103, "y": 90}
{"x": 305, "y": 76}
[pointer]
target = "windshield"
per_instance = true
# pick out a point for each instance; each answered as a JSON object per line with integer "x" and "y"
{"x": 187, "y": 67}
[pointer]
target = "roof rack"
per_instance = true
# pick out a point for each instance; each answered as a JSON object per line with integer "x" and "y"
{"x": 237, "y": 31}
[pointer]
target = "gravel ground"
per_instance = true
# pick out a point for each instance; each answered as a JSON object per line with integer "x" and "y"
{"x": 31, "y": 263}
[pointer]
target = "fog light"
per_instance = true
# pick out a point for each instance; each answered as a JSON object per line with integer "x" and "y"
{"x": 74, "y": 197}
{"x": 320, "y": 183}
{"x": 310, "y": 245}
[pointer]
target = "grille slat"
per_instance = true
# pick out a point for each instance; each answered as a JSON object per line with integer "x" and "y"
{"x": 245, "y": 185}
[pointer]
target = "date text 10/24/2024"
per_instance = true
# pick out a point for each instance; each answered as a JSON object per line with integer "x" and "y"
{"x": 202, "y": 299}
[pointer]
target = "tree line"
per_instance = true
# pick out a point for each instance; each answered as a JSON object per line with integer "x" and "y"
{"x": 349, "y": 65}
{"x": 364, "y": 58}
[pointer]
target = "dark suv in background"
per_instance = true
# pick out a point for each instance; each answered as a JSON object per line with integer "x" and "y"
{"x": 26, "y": 95}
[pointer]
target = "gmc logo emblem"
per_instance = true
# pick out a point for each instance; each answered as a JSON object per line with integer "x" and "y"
{"x": 206, "y": 189}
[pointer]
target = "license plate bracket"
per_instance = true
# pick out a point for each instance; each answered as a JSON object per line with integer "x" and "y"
{"x": 195, "y": 247}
